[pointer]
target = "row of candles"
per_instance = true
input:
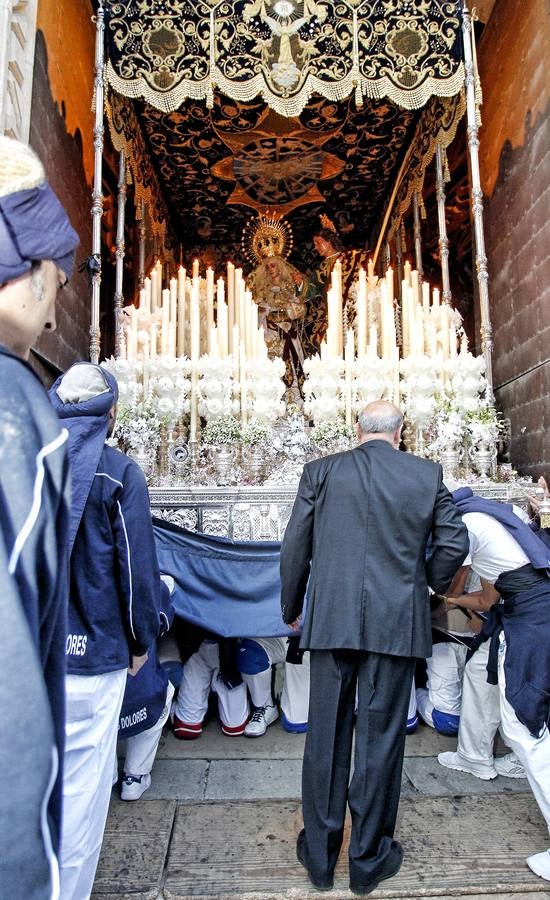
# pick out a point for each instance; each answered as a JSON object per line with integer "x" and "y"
{"x": 173, "y": 322}
{"x": 178, "y": 326}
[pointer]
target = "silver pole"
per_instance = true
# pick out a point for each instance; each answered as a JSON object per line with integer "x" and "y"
{"x": 443, "y": 240}
{"x": 417, "y": 235}
{"x": 120, "y": 251}
{"x": 398, "y": 256}
{"x": 477, "y": 204}
{"x": 97, "y": 197}
{"x": 142, "y": 236}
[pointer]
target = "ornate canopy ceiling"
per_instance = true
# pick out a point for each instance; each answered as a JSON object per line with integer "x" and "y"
{"x": 263, "y": 140}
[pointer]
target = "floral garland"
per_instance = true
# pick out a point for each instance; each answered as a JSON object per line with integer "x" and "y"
{"x": 265, "y": 389}
{"x": 217, "y": 388}
{"x": 324, "y": 388}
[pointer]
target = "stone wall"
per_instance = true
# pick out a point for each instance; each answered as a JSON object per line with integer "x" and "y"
{"x": 515, "y": 171}
{"x": 62, "y": 134}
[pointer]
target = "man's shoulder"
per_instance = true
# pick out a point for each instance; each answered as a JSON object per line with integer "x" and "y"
{"x": 119, "y": 466}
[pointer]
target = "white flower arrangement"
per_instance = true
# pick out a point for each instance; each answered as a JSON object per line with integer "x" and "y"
{"x": 447, "y": 430}
{"x": 257, "y": 434}
{"x": 216, "y": 388}
{"x": 483, "y": 426}
{"x": 128, "y": 374}
{"x": 138, "y": 425}
{"x": 332, "y": 435}
{"x": 265, "y": 389}
{"x": 222, "y": 430}
{"x": 324, "y": 388}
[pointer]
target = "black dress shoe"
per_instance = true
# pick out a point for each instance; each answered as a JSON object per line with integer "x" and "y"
{"x": 324, "y": 884}
{"x": 392, "y": 869}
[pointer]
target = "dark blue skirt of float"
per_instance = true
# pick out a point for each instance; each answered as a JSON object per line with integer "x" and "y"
{"x": 224, "y": 586}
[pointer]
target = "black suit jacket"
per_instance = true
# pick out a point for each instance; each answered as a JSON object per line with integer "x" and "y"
{"x": 357, "y": 538}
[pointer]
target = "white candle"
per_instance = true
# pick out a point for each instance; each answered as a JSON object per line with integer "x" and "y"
{"x": 349, "y": 354}
{"x": 158, "y": 269}
{"x": 173, "y": 301}
{"x": 153, "y": 341}
{"x": 209, "y": 299}
{"x": 242, "y": 364}
{"x": 171, "y": 339}
{"x": 235, "y": 352}
{"x": 182, "y": 281}
{"x": 154, "y": 289}
{"x": 223, "y": 332}
{"x": 389, "y": 283}
{"x": 195, "y": 270}
{"x": 147, "y": 299}
{"x": 230, "y": 302}
{"x": 362, "y": 314}
{"x": 370, "y": 269}
{"x": 247, "y": 319}
{"x": 415, "y": 280}
{"x": 373, "y": 341}
{"x": 214, "y": 342}
{"x": 165, "y": 321}
{"x": 407, "y": 272}
{"x": 435, "y": 297}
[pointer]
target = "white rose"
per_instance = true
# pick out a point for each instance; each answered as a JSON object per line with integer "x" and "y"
{"x": 165, "y": 406}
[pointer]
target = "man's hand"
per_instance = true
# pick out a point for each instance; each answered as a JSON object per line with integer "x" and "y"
{"x": 536, "y": 500}
{"x": 296, "y": 625}
{"x": 297, "y": 279}
{"x": 137, "y": 663}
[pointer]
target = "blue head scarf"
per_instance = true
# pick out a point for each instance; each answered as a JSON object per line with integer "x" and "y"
{"x": 535, "y": 549}
{"x": 87, "y": 422}
{"x": 33, "y": 224}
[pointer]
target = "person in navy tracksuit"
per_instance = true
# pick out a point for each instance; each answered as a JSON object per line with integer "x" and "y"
{"x": 145, "y": 708}
{"x": 114, "y": 601}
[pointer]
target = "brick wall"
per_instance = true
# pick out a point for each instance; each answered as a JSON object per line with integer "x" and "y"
{"x": 515, "y": 171}
{"x": 63, "y": 149}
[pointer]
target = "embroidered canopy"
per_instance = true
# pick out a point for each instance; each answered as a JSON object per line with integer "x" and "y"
{"x": 167, "y": 51}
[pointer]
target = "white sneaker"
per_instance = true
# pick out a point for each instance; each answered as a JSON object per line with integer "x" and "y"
{"x": 509, "y": 766}
{"x": 455, "y": 761}
{"x": 540, "y": 864}
{"x": 133, "y": 786}
{"x": 260, "y": 720}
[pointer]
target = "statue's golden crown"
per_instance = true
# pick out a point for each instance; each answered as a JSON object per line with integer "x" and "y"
{"x": 267, "y": 235}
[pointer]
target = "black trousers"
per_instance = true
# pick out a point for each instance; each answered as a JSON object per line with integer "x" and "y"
{"x": 383, "y": 688}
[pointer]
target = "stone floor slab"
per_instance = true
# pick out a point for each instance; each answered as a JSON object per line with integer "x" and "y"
{"x": 454, "y": 847}
{"x": 135, "y": 845}
{"x": 434, "y": 780}
{"x": 178, "y": 779}
{"x": 252, "y": 779}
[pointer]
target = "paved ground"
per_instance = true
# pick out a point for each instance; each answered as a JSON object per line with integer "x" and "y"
{"x": 221, "y": 818}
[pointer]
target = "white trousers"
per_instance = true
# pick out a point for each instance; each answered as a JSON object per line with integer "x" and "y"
{"x": 532, "y": 752}
{"x": 201, "y": 674}
{"x": 93, "y": 709}
{"x": 480, "y": 711}
{"x": 445, "y": 669}
{"x": 142, "y": 748}
{"x": 295, "y": 692}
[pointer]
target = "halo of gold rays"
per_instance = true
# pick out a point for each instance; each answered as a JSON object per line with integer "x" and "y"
{"x": 266, "y": 235}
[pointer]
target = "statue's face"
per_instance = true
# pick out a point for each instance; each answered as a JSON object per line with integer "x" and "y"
{"x": 273, "y": 271}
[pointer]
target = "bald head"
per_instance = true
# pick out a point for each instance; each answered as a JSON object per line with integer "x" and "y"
{"x": 380, "y": 420}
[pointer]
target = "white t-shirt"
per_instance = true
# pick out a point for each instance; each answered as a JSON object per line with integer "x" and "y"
{"x": 493, "y": 550}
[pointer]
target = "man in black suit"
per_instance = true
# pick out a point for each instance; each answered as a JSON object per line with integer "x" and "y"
{"x": 357, "y": 539}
